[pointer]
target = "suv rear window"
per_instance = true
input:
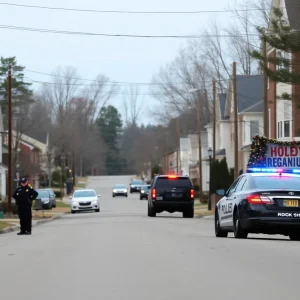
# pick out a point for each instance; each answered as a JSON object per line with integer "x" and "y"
{"x": 165, "y": 182}
{"x": 276, "y": 182}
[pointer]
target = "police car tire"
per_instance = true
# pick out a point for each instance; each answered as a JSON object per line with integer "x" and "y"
{"x": 218, "y": 231}
{"x": 294, "y": 237}
{"x": 239, "y": 233}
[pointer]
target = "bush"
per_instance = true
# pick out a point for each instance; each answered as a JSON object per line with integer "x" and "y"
{"x": 196, "y": 187}
{"x": 3, "y": 207}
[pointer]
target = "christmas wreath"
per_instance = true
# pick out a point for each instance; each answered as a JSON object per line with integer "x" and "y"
{"x": 259, "y": 148}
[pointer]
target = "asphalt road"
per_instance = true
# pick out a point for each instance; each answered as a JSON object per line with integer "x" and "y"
{"x": 120, "y": 253}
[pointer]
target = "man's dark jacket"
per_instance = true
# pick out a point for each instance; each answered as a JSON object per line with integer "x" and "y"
{"x": 24, "y": 195}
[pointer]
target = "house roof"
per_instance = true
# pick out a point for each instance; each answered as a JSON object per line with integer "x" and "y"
{"x": 293, "y": 12}
{"x": 255, "y": 108}
{"x": 222, "y": 103}
{"x": 249, "y": 91}
{"x": 40, "y": 136}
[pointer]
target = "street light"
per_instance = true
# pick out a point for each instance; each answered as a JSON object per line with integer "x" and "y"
{"x": 210, "y": 178}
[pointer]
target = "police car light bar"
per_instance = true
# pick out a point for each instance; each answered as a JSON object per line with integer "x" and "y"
{"x": 273, "y": 170}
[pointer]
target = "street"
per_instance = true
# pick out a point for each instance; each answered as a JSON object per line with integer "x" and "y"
{"x": 120, "y": 253}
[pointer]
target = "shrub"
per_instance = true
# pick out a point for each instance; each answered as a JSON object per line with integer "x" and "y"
{"x": 3, "y": 207}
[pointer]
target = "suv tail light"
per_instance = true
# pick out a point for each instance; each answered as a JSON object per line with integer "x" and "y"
{"x": 257, "y": 199}
{"x": 192, "y": 194}
{"x": 153, "y": 194}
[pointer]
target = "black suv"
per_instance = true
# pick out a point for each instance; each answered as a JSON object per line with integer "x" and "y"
{"x": 171, "y": 193}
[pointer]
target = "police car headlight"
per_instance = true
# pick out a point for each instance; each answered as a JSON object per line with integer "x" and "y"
{"x": 74, "y": 203}
{"x": 95, "y": 202}
{"x": 114, "y": 191}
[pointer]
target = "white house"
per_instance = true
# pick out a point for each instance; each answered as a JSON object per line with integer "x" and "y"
{"x": 3, "y": 168}
{"x": 284, "y": 121}
{"x": 250, "y": 119}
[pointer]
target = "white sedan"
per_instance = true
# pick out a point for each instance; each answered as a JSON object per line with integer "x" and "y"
{"x": 85, "y": 200}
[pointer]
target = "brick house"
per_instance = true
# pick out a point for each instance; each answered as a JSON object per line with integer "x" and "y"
{"x": 284, "y": 123}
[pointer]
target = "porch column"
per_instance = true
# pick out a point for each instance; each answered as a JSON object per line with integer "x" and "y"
{"x": 3, "y": 184}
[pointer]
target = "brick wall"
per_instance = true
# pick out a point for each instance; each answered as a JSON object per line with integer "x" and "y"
{"x": 296, "y": 98}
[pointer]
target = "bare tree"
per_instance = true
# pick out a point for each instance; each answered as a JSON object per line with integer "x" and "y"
{"x": 132, "y": 106}
{"x": 174, "y": 83}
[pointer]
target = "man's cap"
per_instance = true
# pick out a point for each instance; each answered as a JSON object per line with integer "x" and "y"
{"x": 24, "y": 180}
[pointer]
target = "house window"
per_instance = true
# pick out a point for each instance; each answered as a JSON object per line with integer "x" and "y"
{"x": 254, "y": 129}
{"x": 287, "y": 128}
{"x": 279, "y": 129}
{"x": 284, "y": 55}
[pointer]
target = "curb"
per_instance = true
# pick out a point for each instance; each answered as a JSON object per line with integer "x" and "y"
{"x": 205, "y": 217}
{"x": 39, "y": 222}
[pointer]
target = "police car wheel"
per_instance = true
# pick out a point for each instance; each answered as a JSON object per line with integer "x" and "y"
{"x": 239, "y": 233}
{"x": 294, "y": 237}
{"x": 218, "y": 231}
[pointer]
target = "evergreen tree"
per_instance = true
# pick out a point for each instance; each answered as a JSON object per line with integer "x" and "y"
{"x": 22, "y": 95}
{"x": 109, "y": 123}
{"x": 287, "y": 42}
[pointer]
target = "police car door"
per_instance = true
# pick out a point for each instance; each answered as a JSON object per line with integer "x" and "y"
{"x": 227, "y": 205}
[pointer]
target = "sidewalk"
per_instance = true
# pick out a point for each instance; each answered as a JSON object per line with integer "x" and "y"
{"x": 200, "y": 209}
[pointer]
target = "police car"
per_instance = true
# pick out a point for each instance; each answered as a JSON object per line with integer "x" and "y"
{"x": 263, "y": 200}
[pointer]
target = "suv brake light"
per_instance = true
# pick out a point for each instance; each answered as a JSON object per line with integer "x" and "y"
{"x": 172, "y": 176}
{"x": 192, "y": 194}
{"x": 153, "y": 194}
{"x": 257, "y": 199}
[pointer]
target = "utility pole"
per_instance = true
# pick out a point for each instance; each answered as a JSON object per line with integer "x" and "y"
{"x": 236, "y": 150}
{"x": 9, "y": 194}
{"x": 214, "y": 119}
{"x": 266, "y": 108}
{"x": 178, "y": 146}
{"x": 199, "y": 145}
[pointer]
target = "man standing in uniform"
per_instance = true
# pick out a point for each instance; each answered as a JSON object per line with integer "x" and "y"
{"x": 24, "y": 195}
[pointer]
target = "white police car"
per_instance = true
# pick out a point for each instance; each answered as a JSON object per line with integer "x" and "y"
{"x": 263, "y": 201}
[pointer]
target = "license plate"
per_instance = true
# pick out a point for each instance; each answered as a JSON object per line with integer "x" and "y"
{"x": 290, "y": 203}
{"x": 159, "y": 198}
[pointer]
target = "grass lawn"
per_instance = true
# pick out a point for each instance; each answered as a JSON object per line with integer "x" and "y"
{"x": 80, "y": 185}
{"x": 61, "y": 204}
{"x": 4, "y": 224}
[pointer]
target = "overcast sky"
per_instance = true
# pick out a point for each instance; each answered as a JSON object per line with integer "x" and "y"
{"x": 119, "y": 58}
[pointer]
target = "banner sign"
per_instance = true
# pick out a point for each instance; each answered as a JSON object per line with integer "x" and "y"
{"x": 278, "y": 156}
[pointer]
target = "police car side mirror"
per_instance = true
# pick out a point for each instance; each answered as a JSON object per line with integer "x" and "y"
{"x": 221, "y": 192}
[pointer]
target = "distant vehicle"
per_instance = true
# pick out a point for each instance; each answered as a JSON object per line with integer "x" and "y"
{"x": 171, "y": 193}
{"x": 52, "y": 195}
{"x": 136, "y": 185}
{"x": 145, "y": 191}
{"x": 120, "y": 190}
{"x": 46, "y": 199}
{"x": 85, "y": 200}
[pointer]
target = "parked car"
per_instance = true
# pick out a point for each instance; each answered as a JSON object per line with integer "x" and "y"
{"x": 145, "y": 191}
{"x": 136, "y": 185}
{"x": 120, "y": 190}
{"x": 45, "y": 197}
{"x": 52, "y": 194}
{"x": 85, "y": 200}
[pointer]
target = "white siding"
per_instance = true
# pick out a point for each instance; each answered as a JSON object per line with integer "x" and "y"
{"x": 247, "y": 127}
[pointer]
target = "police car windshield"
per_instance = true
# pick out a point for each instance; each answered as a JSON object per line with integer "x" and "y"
{"x": 165, "y": 182}
{"x": 277, "y": 182}
{"x": 83, "y": 194}
{"x": 146, "y": 187}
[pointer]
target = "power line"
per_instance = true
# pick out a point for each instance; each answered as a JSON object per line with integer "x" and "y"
{"x": 124, "y": 11}
{"x": 121, "y": 35}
